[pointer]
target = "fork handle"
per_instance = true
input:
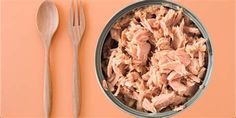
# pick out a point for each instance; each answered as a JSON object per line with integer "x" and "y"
{"x": 47, "y": 94}
{"x": 76, "y": 84}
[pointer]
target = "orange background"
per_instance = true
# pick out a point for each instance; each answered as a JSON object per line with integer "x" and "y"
{"x": 22, "y": 60}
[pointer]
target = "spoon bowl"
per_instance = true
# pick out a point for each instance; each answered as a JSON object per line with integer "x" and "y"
{"x": 47, "y": 18}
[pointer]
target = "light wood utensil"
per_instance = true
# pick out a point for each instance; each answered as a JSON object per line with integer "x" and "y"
{"x": 47, "y": 22}
{"x": 76, "y": 30}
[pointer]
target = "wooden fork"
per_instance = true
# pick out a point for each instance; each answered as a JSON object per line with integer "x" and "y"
{"x": 76, "y": 30}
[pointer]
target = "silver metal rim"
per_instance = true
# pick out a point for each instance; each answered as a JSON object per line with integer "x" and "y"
{"x": 105, "y": 32}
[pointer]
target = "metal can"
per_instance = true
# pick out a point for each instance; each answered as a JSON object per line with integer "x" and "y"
{"x": 102, "y": 40}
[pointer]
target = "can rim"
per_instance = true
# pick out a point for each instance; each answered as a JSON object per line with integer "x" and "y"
{"x": 102, "y": 38}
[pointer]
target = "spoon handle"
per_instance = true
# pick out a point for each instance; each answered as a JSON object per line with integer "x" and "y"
{"x": 47, "y": 98}
{"x": 76, "y": 84}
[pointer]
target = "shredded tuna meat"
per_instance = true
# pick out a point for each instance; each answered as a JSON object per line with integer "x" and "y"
{"x": 154, "y": 59}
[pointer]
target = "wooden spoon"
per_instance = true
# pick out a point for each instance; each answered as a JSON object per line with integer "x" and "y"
{"x": 47, "y": 22}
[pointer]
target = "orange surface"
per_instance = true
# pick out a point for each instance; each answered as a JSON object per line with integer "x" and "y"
{"x": 22, "y": 60}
